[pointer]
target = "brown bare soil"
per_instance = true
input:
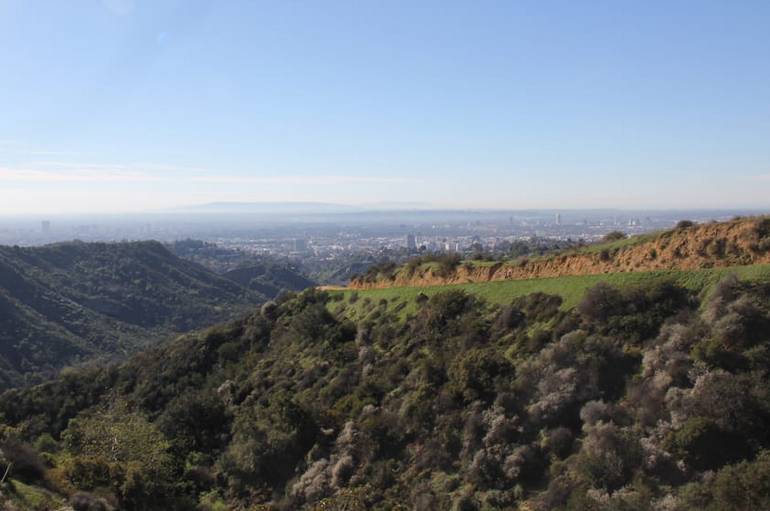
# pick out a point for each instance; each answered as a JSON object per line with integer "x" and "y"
{"x": 737, "y": 242}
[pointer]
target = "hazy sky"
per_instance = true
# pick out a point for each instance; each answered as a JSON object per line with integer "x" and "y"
{"x": 119, "y": 105}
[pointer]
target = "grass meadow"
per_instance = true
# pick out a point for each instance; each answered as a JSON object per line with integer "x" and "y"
{"x": 570, "y": 288}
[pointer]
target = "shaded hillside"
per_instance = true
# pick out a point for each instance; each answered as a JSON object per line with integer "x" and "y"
{"x": 640, "y": 399}
{"x": 65, "y": 303}
{"x": 210, "y": 255}
{"x": 263, "y": 274}
{"x": 269, "y": 279}
{"x": 738, "y": 242}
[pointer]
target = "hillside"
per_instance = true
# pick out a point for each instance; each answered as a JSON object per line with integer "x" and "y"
{"x": 269, "y": 279}
{"x": 639, "y": 398}
{"x": 742, "y": 241}
{"x": 71, "y": 302}
{"x": 571, "y": 289}
{"x": 263, "y": 274}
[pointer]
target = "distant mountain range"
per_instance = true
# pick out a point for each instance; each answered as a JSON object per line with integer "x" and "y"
{"x": 268, "y": 207}
{"x": 297, "y": 207}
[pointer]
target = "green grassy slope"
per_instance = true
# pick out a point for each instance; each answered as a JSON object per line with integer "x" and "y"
{"x": 570, "y": 288}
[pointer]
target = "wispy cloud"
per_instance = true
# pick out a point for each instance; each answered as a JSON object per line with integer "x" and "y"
{"x": 9, "y": 143}
{"x": 303, "y": 180}
{"x": 63, "y": 172}
{"x": 21, "y": 149}
{"x": 119, "y": 7}
{"x": 36, "y": 152}
{"x": 81, "y": 175}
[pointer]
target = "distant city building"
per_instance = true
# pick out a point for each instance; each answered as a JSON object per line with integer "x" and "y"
{"x": 45, "y": 226}
{"x": 411, "y": 243}
{"x": 558, "y": 219}
{"x": 300, "y": 245}
{"x": 451, "y": 247}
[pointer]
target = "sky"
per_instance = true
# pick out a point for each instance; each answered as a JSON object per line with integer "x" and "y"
{"x": 141, "y": 105}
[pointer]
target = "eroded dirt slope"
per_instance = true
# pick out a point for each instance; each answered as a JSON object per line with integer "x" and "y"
{"x": 737, "y": 242}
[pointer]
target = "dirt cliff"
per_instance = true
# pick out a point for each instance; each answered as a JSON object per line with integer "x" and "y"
{"x": 737, "y": 242}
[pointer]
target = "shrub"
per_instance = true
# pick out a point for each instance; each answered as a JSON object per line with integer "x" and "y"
{"x": 717, "y": 248}
{"x": 25, "y": 462}
{"x": 600, "y": 302}
{"x": 636, "y": 313}
{"x": 614, "y": 236}
{"x": 762, "y": 228}
{"x": 741, "y": 487}
{"x": 384, "y": 269}
{"x": 446, "y": 307}
{"x": 509, "y": 318}
{"x": 46, "y": 444}
{"x": 608, "y": 457}
{"x": 476, "y": 374}
{"x": 268, "y": 440}
{"x": 538, "y": 306}
{"x": 705, "y": 446}
{"x": 82, "y": 501}
{"x": 139, "y": 468}
{"x": 448, "y": 264}
{"x": 269, "y": 310}
{"x": 558, "y": 441}
{"x": 195, "y": 420}
{"x": 312, "y": 323}
{"x": 465, "y": 503}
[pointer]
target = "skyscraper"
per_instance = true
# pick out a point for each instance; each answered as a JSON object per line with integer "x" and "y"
{"x": 45, "y": 226}
{"x": 411, "y": 243}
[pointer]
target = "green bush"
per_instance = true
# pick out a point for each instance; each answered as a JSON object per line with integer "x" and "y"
{"x": 705, "y": 446}
{"x": 614, "y": 236}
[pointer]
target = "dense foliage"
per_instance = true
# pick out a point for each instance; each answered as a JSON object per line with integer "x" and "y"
{"x": 69, "y": 302}
{"x": 272, "y": 273}
{"x": 637, "y": 399}
{"x": 269, "y": 278}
